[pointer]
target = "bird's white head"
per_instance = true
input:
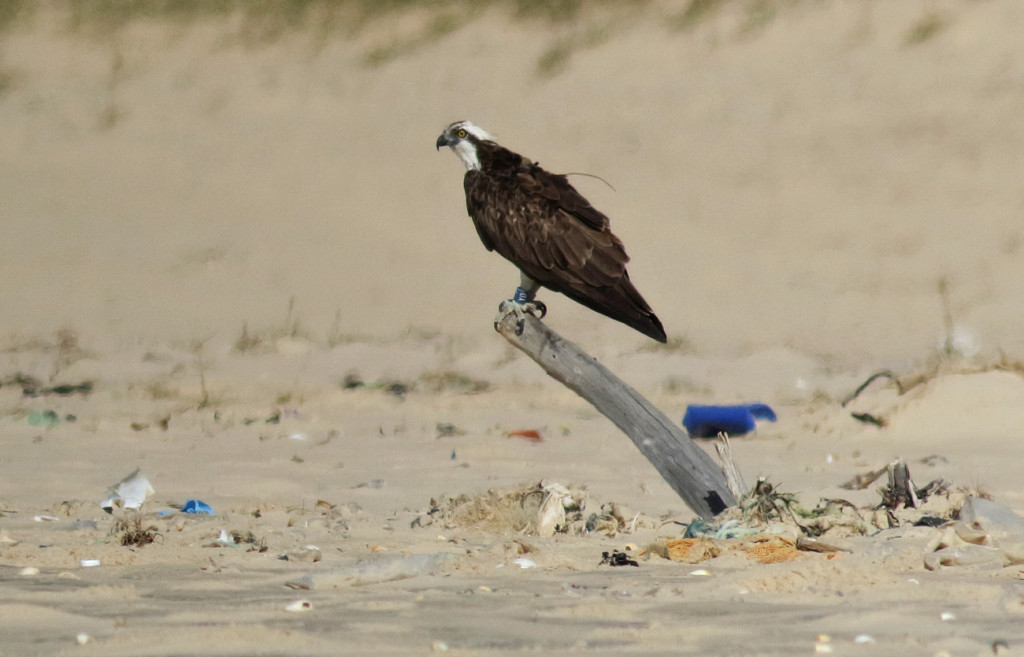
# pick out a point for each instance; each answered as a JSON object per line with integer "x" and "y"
{"x": 463, "y": 137}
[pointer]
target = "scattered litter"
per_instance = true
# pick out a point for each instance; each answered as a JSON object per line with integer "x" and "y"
{"x": 987, "y": 534}
{"x": 375, "y": 569}
{"x": 864, "y": 638}
{"x": 823, "y": 645}
{"x": 863, "y": 480}
{"x": 197, "y": 506}
{"x": 82, "y": 638}
{"x": 299, "y": 435}
{"x": 89, "y": 563}
{"x": 558, "y": 502}
{"x": 700, "y": 573}
{"x": 47, "y": 418}
{"x": 29, "y": 571}
{"x": 685, "y": 550}
{"x": 32, "y": 389}
{"x": 530, "y": 435}
{"x": 132, "y": 531}
{"x": 299, "y": 605}
{"x": 308, "y": 554}
{"x": 45, "y": 518}
{"x": 947, "y": 616}
{"x": 708, "y": 421}
{"x": 448, "y": 430}
{"x": 438, "y": 646}
{"x": 129, "y": 493}
{"x": 223, "y": 540}
{"x": 616, "y": 558}
{"x": 525, "y": 563}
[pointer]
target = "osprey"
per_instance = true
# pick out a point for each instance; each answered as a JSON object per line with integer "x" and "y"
{"x": 540, "y": 223}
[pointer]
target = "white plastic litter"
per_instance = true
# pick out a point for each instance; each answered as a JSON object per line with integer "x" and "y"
{"x": 129, "y": 493}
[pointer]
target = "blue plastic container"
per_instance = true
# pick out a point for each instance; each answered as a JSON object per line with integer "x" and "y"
{"x": 707, "y": 421}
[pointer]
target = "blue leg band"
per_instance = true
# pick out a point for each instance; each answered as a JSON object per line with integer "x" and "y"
{"x": 520, "y": 296}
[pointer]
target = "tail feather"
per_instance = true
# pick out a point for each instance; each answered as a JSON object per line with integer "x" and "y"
{"x": 623, "y": 303}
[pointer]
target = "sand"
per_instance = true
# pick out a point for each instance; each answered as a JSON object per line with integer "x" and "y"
{"x": 219, "y": 230}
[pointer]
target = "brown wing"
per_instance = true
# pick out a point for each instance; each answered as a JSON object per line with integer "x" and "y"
{"x": 540, "y": 223}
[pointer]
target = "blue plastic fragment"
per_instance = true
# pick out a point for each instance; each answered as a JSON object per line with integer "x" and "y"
{"x": 708, "y": 421}
{"x": 197, "y": 506}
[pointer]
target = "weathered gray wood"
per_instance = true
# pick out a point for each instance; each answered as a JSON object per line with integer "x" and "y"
{"x": 685, "y": 466}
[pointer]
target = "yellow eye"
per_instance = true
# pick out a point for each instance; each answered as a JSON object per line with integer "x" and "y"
{"x": 461, "y": 133}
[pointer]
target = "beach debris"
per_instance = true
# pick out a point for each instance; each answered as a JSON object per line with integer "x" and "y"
{"x": 374, "y": 569}
{"x": 197, "y": 507}
{"x": 33, "y": 387}
{"x": 900, "y": 492}
{"x": 129, "y": 493}
{"x": 82, "y": 638}
{"x": 133, "y": 533}
{"x": 809, "y": 544}
{"x": 224, "y": 539}
{"x": 524, "y": 563}
{"x": 616, "y": 558}
{"x": 986, "y": 534}
{"x": 89, "y": 563}
{"x": 529, "y": 435}
{"x": 307, "y": 554}
{"x": 45, "y": 418}
{"x": 448, "y": 430}
{"x": 539, "y": 509}
{"x": 868, "y": 418}
{"x": 558, "y": 505}
{"x": 707, "y": 421}
{"x": 823, "y": 645}
{"x": 884, "y": 374}
{"x": 44, "y": 518}
{"x": 438, "y": 646}
{"x": 684, "y": 550}
{"x": 28, "y": 571}
{"x": 863, "y": 480}
{"x": 299, "y": 606}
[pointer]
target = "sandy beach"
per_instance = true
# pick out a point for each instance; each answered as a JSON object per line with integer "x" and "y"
{"x": 234, "y": 262}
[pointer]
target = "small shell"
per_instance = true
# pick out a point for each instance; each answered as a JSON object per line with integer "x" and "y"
{"x": 299, "y": 605}
{"x": 29, "y": 571}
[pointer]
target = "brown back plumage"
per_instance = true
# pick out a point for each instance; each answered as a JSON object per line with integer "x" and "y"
{"x": 540, "y": 223}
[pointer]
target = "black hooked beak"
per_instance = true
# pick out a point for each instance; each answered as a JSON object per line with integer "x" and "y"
{"x": 444, "y": 140}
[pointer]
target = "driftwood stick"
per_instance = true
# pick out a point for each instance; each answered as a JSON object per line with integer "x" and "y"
{"x": 685, "y": 466}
